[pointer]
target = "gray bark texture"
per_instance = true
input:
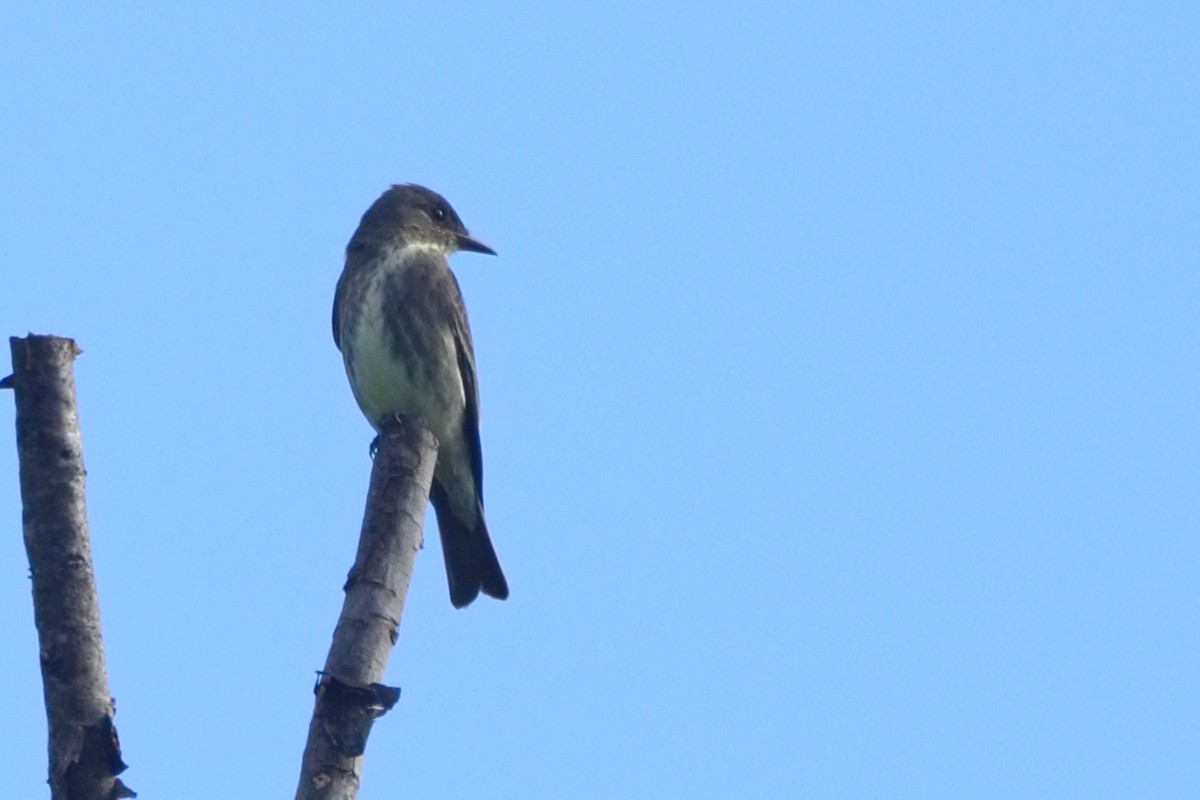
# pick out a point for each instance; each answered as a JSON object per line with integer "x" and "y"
{"x": 349, "y": 695}
{"x": 85, "y": 755}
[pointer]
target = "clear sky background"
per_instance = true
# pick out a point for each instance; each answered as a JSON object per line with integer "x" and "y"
{"x": 838, "y": 370}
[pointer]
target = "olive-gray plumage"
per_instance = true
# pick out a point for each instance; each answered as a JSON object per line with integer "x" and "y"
{"x": 399, "y": 320}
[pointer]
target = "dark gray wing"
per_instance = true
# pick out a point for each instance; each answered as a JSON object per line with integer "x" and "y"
{"x": 338, "y": 295}
{"x": 466, "y": 370}
{"x": 351, "y": 285}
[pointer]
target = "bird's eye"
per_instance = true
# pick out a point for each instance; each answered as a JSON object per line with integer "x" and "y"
{"x": 438, "y": 213}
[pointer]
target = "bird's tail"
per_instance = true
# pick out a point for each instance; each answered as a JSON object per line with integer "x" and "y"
{"x": 471, "y": 562}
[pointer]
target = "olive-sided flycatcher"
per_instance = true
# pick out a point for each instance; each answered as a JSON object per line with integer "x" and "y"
{"x": 399, "y": 320}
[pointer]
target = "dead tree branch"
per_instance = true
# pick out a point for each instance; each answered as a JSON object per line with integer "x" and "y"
{"x": 349, "y": 695}
{"x": 85, "y": 756}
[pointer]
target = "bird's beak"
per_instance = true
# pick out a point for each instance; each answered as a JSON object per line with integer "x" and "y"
{"x": 465, "y": 242}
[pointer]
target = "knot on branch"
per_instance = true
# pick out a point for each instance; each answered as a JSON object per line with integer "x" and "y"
{"x": 346, "y": 711}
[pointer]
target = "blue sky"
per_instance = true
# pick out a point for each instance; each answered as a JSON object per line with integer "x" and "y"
{"x": 838, "y": 381}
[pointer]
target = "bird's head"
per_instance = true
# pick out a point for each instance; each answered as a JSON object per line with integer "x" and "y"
{"x": 408, "y": 214}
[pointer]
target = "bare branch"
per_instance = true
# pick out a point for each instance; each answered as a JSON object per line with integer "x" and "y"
{"x": 349, "y": 695}
{"x": 85, "y": 756}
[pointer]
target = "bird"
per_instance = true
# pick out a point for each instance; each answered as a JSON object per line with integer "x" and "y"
{"x": 401, "y": 326}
